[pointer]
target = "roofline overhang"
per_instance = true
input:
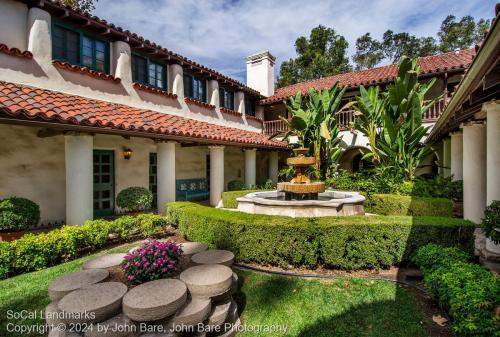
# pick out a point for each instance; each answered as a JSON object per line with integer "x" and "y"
{"x": 485, "y": 58}
{"x": 264, "y": 101}
{"x": 128, "y": 133}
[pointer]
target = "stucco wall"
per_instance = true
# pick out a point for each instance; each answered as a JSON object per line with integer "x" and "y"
{"x": 33, "y": 168}
{"x": 15, "y": 29}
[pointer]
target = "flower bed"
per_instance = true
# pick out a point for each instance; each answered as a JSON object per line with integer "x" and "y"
{"x": 38, "y": 251}
{"x": 335, "y": 242}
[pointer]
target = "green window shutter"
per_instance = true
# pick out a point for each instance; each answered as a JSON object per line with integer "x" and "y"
{"x": 139, "y": 69}
{"x": 187, "y": 86}
{"x": 65, "y": 45}
{"x": 203, "y": 85}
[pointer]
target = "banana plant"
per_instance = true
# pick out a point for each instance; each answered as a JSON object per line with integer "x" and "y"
{"x": 313, "y": 121}
{"x": 369, "y": 111}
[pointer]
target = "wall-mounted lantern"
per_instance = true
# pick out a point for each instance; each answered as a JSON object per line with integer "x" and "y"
{"x": 127, "y": 153}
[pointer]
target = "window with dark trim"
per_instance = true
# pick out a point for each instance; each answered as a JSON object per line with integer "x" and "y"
{"x": 226, "y": 98}
{"x": 73, "y": 46}
{"x": 195, "y": 87}
{"x": 249, "y": 106}
{"x": 148, "y": 72}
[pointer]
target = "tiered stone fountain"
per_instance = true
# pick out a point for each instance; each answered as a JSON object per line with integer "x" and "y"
{"x": 197, "y": 301}
{"x": 302, "y": 198}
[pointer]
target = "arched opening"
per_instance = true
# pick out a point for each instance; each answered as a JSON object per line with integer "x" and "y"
{"x": 351, "y": 160}
{"x": 358, "y": 163}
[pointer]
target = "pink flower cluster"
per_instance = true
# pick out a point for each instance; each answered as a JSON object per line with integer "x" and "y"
{"x": 153, "y": 260}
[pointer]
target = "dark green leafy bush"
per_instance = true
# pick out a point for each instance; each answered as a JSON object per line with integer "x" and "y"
{"x": 491, "y": 221}
{"x": 17, "y": 214}
{"x": 336, "y": 242}
{"x": 135, "y": 198}
{"x": 393, "y": 204}
{"x": 468, "y": 291}
{"x": 235, "y": 185}
{"x": 38, "y": 251}
{"x": 387, "y": 182}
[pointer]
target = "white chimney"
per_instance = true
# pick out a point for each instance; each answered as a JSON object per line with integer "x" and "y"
{"x": 260, "y": 72}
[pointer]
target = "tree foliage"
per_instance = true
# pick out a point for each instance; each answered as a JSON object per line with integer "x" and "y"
{"x": 453, "y": 34}
{"x": 84, "y": 5}
{"x": 324, "y": 53}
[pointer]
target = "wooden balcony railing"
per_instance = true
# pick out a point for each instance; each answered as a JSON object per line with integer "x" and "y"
{"x": 345, "y": 119}
{"x": 271, "y": 127}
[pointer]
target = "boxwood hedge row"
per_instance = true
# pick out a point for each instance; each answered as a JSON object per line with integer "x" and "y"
{"x": 336, "y": 242}
{"x": 394, "y": 204}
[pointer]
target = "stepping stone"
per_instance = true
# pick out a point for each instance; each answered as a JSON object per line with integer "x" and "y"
{"x": 191, "y": 248}
{"x": 195, "y": 311}
{"x": 233, "y": 319}
{"x": 105, "y": 261}
{"x": 68, "y": 283}
{"x": 155, "y": 300}
{"x": 92, "y": 304}
{"x": 118, "y": 326}
{"x": 59, "y": 333}
{"x": 52, "y": 313}
{"x": 160, "y": 334}
{"x": 228, "y": 294}
{"x": 219, "y": 313}
{"x": 207, "y": 280}
{"x": 216, "y": 256}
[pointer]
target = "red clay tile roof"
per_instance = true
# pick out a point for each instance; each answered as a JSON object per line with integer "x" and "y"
{"x": 85, "y": 70}
{"x": 15, "y": 51}
{"x": 429, "y": 64}
{"x": 28, "y": 103}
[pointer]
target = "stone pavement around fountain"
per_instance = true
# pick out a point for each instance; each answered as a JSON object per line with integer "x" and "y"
{"x": 201, "y": 296}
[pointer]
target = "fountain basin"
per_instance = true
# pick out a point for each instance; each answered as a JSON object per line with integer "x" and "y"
{"x": 329, "y": 203}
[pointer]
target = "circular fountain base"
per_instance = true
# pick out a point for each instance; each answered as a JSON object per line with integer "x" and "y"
{"x": 329, "y": 203}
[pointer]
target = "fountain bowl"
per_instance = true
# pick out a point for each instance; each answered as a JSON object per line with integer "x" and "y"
{"x": 329, "y": 203}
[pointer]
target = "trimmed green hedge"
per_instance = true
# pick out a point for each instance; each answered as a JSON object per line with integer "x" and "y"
{"x": 468, "y": 291}
{"x": 38, "y": 251}
{"x": 229, "y": 198}
{"x": 393, "y": 204}
{"x": 336, "y": 242}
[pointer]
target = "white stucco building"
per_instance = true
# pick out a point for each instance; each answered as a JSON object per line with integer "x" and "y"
{"x": 78, "y": 95}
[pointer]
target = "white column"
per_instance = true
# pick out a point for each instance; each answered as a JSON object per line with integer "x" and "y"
{"x": 165, "y": 174}
{"x": 216, "y": 174}
{"x": 273, "y": 166}
{"x": 446, "y": 157}
{"x": 239, "y": 102}
{"x": 79, "y": 178}
{"x": 457, "y": 155}
{"x": 492, "y": 151}
{"x": 474, "y": 171}
{"x": 176, "y": 80}
{"x": 39, "y": 38}
{"x": 121, "y": 63}
{"x": 213, "y": 93}
{"x": 438, "y": 149}
{"x": 250, "y": 167}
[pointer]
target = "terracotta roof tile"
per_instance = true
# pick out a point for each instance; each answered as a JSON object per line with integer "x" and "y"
{"x": 429, "y": 64}
{"x": 15, "y": 51}
{"x": 28, "y": 103}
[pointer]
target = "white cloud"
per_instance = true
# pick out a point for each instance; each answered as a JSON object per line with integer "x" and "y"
{"x": 221, "y": 33}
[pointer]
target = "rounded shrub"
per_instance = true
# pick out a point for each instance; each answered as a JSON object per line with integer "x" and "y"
{"x": 235, "y": 185}
{"x": 17, "y": 214}
{"x": 153, "y": 260}
{"x": 134, "y": 198}
{"x": 491, "y": 221}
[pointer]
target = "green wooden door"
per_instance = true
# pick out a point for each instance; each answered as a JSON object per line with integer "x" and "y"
{"x": 104, "y": 183}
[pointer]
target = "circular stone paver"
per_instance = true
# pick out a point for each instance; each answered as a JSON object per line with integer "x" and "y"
{"x": 195, "y": 311}
{"x": 207, "y": 280}
{"x": 216, "y": 256}
{"x": 52, "y": 314}
{"x": 219, "y": 313}
{"x": 230, "y": 292}
{"x": 154, "y": 300}
{"x": 118, "y": 326}
{"x": 105, "y": 261}
{"x": 68, "y": 283}
{"x": 94, "y": 303}
{"x": 191, "y": 248}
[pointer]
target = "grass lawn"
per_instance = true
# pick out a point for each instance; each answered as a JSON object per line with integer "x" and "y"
{"x": 342, "y": 307}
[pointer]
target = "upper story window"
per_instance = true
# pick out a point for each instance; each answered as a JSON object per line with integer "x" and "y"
{"x": 226, "y": 98}
{"x": 249, "y": 106}
{"x": 148, "y": 72}
{"x": 73, "y": 46}
{"x": 195, "y": 87}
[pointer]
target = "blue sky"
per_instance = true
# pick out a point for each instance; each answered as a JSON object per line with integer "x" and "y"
{"x": 221, "y": 33}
